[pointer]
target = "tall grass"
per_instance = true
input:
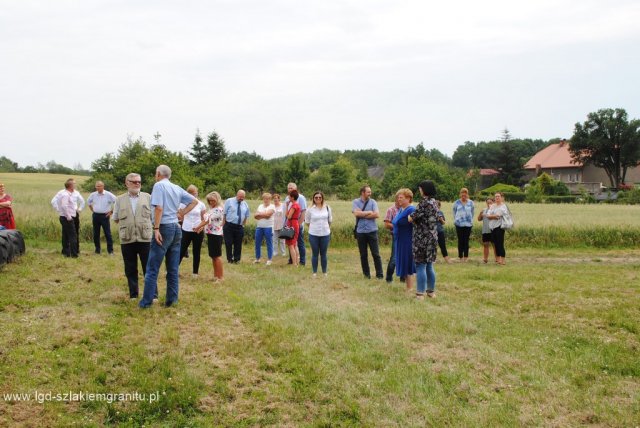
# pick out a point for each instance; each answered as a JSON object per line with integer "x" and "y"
{"x": 537, "y": 225}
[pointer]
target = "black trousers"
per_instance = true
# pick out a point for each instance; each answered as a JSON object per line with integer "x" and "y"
{"x": 370, "y": 240}
{"x": 442, "y": 242}
{"x": 76, "y": 223}
{"x": 187, "y": 239}
{"x": 464, "y": 233}
{"x": 130, "y": 254}
{"x": 104, "y": 222}
{"x": 391, "y": 267}
{"x": 69, "y": 238}
{"x": 233, "y": 235}
{"x": 497, "y": 235}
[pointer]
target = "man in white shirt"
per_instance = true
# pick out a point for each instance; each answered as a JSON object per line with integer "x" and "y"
{"x": 78, "y": 201}
{"x": 101, "y": 203}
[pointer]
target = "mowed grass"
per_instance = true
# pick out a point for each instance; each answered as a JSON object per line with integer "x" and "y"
{"x": 550, "y": 339}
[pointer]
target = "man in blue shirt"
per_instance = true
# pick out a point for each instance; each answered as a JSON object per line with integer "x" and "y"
{"x": 166, "y": 198}
{"x": 366, "y": 212}
{"x": 236, "y": 213}
{"x": 101, "y": 203}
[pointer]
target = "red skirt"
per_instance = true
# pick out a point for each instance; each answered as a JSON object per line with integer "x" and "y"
{"x": 296, "y": 228}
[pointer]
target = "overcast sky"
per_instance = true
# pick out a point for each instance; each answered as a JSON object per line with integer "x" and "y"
{"x": 277, "y": 77}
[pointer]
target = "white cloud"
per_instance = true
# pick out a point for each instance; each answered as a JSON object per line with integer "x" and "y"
{"x": 282, "y": 76}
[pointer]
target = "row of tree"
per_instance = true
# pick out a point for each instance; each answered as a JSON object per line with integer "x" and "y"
{"x": 608, "y": 139}
{"x": 339, "y": 174}
{"x": 51, "y": 167}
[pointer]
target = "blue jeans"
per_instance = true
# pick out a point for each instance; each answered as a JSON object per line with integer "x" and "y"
{"x": 169, "y": 250}
{"x": 319, "y": 245}
{"x": 265, "y": 233}
{"x": 425, "y": 278}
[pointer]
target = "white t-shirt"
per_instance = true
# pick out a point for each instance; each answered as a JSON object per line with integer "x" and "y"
{"x": 265, "y": 222}
{"x": 192, "y": 219}
{"x": 278, "y": 217}
{"x": 319, "y": 220}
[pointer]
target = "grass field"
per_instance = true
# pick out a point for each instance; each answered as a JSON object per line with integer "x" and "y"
{"x": 551, "y": 339}
{"x": 537, "y": 225}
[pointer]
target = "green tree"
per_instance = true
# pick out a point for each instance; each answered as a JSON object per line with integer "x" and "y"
{"x": 509, "y": 163}
{"x": 608, "y": 140}
{"x": 215, "y": 148}
{"x": 198, "y": 151}
{"x": 7, "y": 165}
{"x": 297, "y": 170}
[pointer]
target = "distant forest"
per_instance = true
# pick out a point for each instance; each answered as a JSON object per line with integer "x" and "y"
{"x": 338, "y": 173}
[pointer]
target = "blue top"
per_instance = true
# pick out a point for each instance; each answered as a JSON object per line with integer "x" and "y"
{"x": 101, "y": 203}
{"x": 463, "y": 213}
{"x": 231, "y": 211}
{"x": 439, "y": 226}
{"x": 169, "y": 196}
{"x": 365, "y": 225}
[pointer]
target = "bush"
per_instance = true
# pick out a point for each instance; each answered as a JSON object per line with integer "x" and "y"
{"x": 514, "y": 196}
{"x": 500, "y": 187}
{"x": 569, "y": 199}
{"x": 629, "y": 197}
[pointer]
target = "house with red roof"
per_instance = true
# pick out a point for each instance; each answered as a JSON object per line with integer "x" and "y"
{"x": 556, "y": 161}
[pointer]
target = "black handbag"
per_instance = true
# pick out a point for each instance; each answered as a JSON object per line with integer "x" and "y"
{"x": 287, "y": 233}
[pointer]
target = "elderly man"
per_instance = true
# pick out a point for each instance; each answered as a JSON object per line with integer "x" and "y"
{"x": 66, "y": 207}
{"x": 236, "y": 213}
{"x": 132, "y": 214}
{"x": 302, "y": 201}
{"x": 366, "y": 212}
{"x": 166, "y": 198}
{"x": 78, "y": 202}
{"x": 101, "y": 203}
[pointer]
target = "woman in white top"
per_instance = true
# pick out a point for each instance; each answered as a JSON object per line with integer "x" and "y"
{"x": 264, "y": 228}
{"x": 319, "y": 219}
{"x": 278, "y": 224}
{"x": 189, "y": 221}
{"x": 494, "y": 214}
{"x": 212, "y": 225}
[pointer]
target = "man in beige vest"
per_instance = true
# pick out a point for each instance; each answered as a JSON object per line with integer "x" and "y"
{"x": 132, "y": 213}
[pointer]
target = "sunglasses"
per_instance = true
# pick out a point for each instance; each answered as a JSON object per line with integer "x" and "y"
{"x": 317, "y": 197}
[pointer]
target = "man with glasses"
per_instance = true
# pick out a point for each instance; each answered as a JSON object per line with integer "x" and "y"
{"x": 132, "y": 214}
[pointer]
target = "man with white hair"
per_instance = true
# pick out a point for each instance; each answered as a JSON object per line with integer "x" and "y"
{"x": 236, "y": 213}
{"x": 166, "y": 198}
{"x": 101, "y": 203}
{"x": 132, "y": 214}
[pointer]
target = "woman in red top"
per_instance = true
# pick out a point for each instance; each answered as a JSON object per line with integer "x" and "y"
{"x": 6, "y": 213}
{"x": 293, "y": 215}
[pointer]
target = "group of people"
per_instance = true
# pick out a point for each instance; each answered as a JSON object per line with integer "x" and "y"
{"x": 163, "y": 225}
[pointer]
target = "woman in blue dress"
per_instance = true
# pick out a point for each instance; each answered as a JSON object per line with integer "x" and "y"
{"x": 403, "y": 237}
